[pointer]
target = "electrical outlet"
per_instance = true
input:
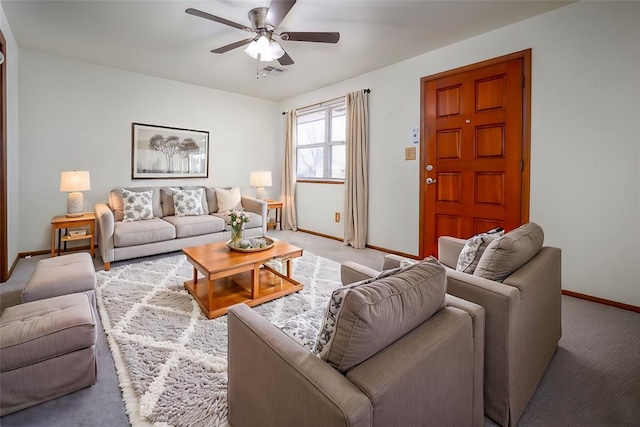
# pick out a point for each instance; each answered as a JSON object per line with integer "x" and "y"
{"x": 337, "y": 217}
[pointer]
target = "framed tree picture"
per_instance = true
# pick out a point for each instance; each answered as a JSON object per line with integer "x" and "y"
{"x": 166, "y": 152}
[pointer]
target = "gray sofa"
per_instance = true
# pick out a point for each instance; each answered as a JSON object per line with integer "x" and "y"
{"x": 399, "y": 356}
{"x": 165, "y": 232}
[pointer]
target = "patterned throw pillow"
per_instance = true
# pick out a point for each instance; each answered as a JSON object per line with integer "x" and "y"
{"x": 187, "y": 202}
{"x": 137, "y": 206}
{"x": 304, "y": 327}
{"x": 474, "y": 248}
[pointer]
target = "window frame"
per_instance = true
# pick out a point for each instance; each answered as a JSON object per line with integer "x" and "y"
{"x": 327, "y": 145}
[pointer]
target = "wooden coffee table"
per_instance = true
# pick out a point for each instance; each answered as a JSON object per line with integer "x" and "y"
{"x": 234, "y": 277}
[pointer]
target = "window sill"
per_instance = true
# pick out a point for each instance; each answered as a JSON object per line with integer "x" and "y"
{"x": 321, "y": 181}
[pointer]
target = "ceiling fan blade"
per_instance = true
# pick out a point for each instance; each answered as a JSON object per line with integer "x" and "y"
{"x": 311, "y": 37}
{"x": 278, "y": 9}
{"x": 285, "y": 59}
{"x": 231, "y": 46}
{"x": 205, "y": 15}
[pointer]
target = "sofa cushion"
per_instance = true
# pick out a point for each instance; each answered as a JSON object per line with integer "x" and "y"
{"x": 510, "y": 252}
{"x": 188, "y": 202}
{"x": 212, "y": 199}
{"x": 328, "y": 326}
{"x": 117, "y": 205}
{"x": 137, "y": 206}
{"x": 142, "y": 232}
{"x": 474, "y": 248}
{"x": 373, "y": 315}
{"x": 166, "y": 198}
{"x": 229, "y": 199}
{"x": 187, "y": 226}
{"x": 255, "y": 220}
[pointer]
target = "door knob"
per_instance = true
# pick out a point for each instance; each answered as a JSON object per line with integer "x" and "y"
{"x": 431, "y": 181}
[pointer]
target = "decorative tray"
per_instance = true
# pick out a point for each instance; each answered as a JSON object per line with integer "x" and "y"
{"x": 268, "y": 243}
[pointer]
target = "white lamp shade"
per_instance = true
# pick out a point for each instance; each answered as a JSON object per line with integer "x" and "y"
{"x": 75, "y": 181}
{"x": 260, "y": 179}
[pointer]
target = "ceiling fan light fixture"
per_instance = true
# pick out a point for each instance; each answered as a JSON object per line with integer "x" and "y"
{"x": 276, "y": 50}
{"x": 263, "y": 50}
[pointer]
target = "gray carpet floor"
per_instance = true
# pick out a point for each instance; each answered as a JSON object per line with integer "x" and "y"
{"x": 592, "y": 380}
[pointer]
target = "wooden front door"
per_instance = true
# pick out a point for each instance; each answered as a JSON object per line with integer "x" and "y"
{"x": 475, "y": 151}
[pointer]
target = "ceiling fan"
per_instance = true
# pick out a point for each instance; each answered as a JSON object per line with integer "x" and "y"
{"x": 264, "y": 23}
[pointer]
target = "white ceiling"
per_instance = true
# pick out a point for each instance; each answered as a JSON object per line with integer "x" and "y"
{"x": 158, "y": 38}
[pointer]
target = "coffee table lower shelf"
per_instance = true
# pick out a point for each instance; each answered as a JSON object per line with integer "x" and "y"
{"x": 216, "y": 297}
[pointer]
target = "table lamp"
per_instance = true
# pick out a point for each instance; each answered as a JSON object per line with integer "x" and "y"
{"x": 260, "y": 180}
{"x": 74, "y": 182}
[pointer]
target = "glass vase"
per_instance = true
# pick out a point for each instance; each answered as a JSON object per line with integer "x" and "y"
{"x": 237, "y": 235}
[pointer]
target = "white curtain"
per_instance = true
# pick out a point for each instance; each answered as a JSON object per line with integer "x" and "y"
{"x": 357, "y": 169}
{"x": 288, "y": 193}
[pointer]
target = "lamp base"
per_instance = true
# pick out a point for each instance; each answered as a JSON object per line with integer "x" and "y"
{"x": 74, "y": 205}
{"x": 261, "y": 194}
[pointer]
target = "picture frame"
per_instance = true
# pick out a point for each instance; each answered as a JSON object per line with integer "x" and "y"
{"x": 163, "y": 152}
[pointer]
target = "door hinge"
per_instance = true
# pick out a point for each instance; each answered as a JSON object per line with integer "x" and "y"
{"x": 521, "y": 165}
{"x": 522, "y": 81}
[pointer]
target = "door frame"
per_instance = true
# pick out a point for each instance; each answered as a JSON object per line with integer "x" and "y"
{"x": 4, "y": 246}
{"x": 525, "y": 55}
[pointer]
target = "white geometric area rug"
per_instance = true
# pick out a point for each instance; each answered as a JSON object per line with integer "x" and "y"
{"x": 171, "y": 360}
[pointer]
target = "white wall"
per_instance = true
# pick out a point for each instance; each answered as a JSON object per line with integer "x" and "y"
{"x": 11, "y": 64}
{"x": 585, "y": 151}
{"x": 75, "y": 115}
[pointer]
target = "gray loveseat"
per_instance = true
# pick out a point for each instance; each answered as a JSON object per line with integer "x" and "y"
{"x": 166, "y": 232}
{"x": 400, "y": 355}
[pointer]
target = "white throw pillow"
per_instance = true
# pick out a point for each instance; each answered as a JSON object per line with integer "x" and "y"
{"x": 187, "y": 202}
{"x": 228, "y": 199}
{"x": 474, "y": 248}
{"x": 137, "y": 206}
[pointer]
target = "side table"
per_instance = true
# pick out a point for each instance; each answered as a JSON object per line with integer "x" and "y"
{"x": 277, "y": 205}
{"x": 88, "y": 219}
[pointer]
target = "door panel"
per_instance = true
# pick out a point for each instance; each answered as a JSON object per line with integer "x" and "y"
{"x": 473, "y": 138}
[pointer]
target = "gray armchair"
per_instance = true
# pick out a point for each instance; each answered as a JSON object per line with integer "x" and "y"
{"x": 391, "y": 361}
{"x": 523, "y": 313}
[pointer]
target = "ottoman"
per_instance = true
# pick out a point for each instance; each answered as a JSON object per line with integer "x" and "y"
{"x": 48, "y": 350}
{"x": 61, "y": 275}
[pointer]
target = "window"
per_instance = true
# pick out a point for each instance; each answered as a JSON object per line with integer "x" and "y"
{"x": 321, "y": 134}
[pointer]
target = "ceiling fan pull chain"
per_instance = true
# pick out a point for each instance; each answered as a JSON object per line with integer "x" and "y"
{"x": 258, "y": 67}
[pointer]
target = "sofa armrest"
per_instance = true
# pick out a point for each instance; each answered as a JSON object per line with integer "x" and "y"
{"x": 256, "y": 206}
{"x": 351, "y": 272}
{"x": 274, "y": 381}
{"x": 477, "y": 314}
{"x": 539, "y": 328}
{"x": 392, "y": 261}
{"x": 424, "y": 378}
{"x": 449, "y": 249}
{"x": 105, "y": 229}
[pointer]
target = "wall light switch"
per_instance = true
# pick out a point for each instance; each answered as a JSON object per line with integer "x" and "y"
{"x": 410, "y": 153}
